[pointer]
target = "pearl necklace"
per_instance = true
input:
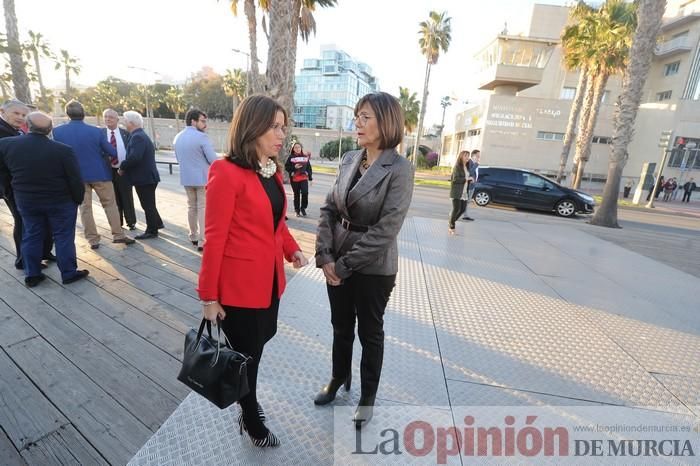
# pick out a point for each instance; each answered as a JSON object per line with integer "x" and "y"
{"x": 268, "y": 170}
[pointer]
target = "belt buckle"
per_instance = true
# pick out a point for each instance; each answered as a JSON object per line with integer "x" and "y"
{"x": 345, "y": 223}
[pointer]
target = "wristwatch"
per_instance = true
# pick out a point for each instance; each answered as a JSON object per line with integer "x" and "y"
{"x": 208, "y": 303}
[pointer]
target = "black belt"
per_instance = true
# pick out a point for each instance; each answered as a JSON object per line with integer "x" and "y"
{"x": 348, "y": 225}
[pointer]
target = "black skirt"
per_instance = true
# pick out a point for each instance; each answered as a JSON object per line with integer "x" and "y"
{"x": 249, "y": 329}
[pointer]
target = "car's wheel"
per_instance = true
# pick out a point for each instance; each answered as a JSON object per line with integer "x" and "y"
{"x": 565, "y": 208}
{"x": 482, "y": 198}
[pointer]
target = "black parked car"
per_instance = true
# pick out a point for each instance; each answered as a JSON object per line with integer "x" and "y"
{"x": 523, "y": 188}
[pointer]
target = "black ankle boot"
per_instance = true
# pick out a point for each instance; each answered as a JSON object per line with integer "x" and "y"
{"x": 364, "y": 411}
{"x": 327, "y": 393}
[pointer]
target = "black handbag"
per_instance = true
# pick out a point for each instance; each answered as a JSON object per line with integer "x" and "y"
{"x": 212, "y": 368}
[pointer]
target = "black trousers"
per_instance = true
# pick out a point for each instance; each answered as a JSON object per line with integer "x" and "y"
{"x": 686, "y": 196}
{"x": 17, "y": 233}
{"x": 364, "y": 296}
{"x": 248, "y": 330}
{"x": 125, "y": 198}
{"x": 301, "y": 194}
{"x": 458, "y": 208}
{"x": 147, "y": 198}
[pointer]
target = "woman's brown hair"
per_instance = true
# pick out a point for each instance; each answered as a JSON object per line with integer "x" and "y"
{"x": 253, "y": 118}
{"x": 389, "y": 114}
{"x": 459, "y": 157}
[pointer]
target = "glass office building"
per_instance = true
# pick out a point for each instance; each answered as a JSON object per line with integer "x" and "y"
{"x": 328, "y": 88}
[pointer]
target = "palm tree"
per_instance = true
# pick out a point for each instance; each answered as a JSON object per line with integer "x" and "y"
{"x": 611, "y": 27}
{"x": 572, "y": 39}
{"x": 20, "y": 80}
{"x": 175, "y": 100}
{"x": 288, "y": 20}
{"x": 69, "y": 65}
{"x": 435, "y": 36}
{"x": 254, "y": 83}
{"x": 235, "y": 86}
{"x": 649, "y": 16}
{"x": 411, "y": 108}
{"x": 35, "y": 49}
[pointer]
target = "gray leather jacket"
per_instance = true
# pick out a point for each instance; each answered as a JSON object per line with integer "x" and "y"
{"x": 379, "y": 201}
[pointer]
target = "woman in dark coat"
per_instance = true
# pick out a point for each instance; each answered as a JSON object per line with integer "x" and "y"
{"x": 458, "y": 191}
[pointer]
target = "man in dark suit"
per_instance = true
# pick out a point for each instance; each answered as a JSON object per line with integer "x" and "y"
{"x": 119, "y": 139}
{"x": 48, "y": 189}
{"x": 12, "y": 118}
{"x": 140, "y": 169}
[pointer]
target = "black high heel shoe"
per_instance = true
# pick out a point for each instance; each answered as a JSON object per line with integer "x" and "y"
{"x": 327, "y": 393}
{"x": 364, "y": 411}
{"x": 270, "y": 440}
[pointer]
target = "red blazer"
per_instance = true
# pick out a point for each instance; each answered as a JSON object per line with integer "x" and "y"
{"x": 241, "y": 249}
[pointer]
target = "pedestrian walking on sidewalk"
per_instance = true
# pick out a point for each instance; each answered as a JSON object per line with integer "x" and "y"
{"x": 472, "y": 178}
{"x": 688, "y": 189}
{"x": 356, "y": 244}
{"x": 298, "y": 165}
{"x": 242, "y": 275}
{"x": 458, "y": 189}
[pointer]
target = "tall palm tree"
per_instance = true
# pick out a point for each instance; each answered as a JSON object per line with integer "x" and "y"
{"x": 254, "y": 83}
{"x": 649, "y": 16}
{"x": 435, "y": 37}
{"x": 35, "y": 49}
{"x": 288, "y": 20}
{"x": 175, "y": 100}
{"x": 20, "y": 81}
{"x": 411, "y": 108}
{"x": 612, "y": 28}
{"x": 574, "y": 59}
{"x": 69, "y": 65}
{"x": 235, "y": 86}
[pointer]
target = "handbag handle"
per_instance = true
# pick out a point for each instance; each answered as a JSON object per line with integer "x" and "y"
{"x": 218, "y": 340}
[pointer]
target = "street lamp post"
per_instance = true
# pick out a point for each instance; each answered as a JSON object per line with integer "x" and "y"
{"x": 444, "y": 103}
{"x": 317, "y": 149}
{"x": 149, "y": 111}
{"x": 248, "y": 77}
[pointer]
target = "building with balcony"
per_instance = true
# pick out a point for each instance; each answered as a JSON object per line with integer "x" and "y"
{"x": 327, "y": 89}
{"x": 522, "y": 120}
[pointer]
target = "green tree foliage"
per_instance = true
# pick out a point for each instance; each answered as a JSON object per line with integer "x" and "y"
{"x": 205, "y": 90}
{"x": 330, "y": 149}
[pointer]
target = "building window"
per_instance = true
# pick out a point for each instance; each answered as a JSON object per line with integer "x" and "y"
{"x": 665, "y": 95}
{"x": 549, "y": 136}
{"x": 474, "y": 132}
{"x": 568, "y": 93}
{"x": 671, "y": 68}
{"x": 602, "y": 140}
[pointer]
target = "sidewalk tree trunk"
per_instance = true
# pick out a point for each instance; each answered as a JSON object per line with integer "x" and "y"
{"x": 649, "y": 16}
{"x": 435, "y": 36}
{"x": 584, "y": 131}
{"x": 598, "y": 92}
{"x": 570, "y": 133}
{"x": 20, "y": 80}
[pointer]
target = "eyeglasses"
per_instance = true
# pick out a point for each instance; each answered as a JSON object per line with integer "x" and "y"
{"x": 362, "y": 118}
{"x": 278, "y": 127}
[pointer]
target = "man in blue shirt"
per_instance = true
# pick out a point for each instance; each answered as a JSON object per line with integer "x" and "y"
{"x": 195, "y": 154}
{"x": 89, "y": 143}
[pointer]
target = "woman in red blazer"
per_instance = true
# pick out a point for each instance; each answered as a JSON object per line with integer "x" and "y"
{"x": 242, "y": 275}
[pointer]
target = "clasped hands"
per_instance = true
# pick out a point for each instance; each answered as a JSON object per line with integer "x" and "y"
{"x": 329, "y": 271}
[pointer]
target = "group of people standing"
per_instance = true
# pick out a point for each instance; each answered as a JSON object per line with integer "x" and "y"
{"x": 45, "y": 181}
{"x": 242, "y": 276}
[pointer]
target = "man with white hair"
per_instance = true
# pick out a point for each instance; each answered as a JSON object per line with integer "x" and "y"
{"x": 140, "y": 170}
{"x": 119, "y": 139}
{"x": 13, "y": 115}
